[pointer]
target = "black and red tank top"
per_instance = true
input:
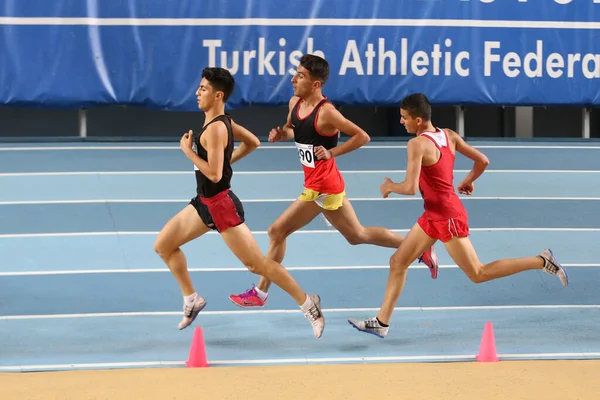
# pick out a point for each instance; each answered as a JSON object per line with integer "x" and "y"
{"x": 321, "y": 176}
{"x": 204, "y": 186}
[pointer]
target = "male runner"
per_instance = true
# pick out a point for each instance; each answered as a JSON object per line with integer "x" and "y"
{"x": 430, "y": 169}
{"x": 217, "y": 207}
{"x": 314, "y": 123}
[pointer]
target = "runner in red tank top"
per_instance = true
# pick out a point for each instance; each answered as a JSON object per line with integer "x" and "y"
{"x": 445, "y": 215}
{"x": 430, "y": 170}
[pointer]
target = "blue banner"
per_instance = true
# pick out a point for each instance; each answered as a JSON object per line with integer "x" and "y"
{"x": 72, "y": 54}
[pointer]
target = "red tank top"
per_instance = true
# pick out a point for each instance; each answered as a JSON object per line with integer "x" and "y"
{"x": 436, "y": 182}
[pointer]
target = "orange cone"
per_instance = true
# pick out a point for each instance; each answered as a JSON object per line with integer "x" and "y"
{"x": 487, "y": 348}
{"x": 197, "y": 357}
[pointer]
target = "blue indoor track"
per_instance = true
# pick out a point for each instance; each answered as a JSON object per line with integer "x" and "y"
{"x": 81, "y": 287}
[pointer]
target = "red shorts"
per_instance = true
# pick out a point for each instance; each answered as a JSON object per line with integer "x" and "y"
{"x": 446, "y": 229}
{"x": 221, "y": 211}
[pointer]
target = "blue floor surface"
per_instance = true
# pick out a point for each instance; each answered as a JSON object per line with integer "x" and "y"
{"x": 81, "y": 287}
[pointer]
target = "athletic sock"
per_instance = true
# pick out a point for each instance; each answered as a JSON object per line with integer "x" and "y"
{"x": 191, "y": 299}
{"x": 308, "y": 303}
{"x": 261, "y": 295}
{"x": 381, "y": 323}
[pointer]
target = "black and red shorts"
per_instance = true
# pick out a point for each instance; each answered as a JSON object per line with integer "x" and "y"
{"x": 221, "y": 211}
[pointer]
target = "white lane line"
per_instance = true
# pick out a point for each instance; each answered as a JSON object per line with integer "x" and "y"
{"x": 310, "y": 360}
{"x": 263, "y": 311}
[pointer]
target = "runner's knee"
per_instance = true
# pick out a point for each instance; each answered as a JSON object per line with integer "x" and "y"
{"x": 399, "y": 262}
{"x": 475, "y": 274}
{"x": 277, "y": 232}
{"x": 254, "y": 263}
{"x": 162, "y": 249}
{"x": 355, "y": 237}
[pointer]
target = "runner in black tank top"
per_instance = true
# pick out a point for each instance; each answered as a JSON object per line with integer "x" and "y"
{"x": 204, "y": 186}
{"x": 230, "y": 211}
{"x": 216, "y": 207}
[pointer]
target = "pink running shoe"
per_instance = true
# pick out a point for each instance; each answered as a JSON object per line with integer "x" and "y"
{"x": 430, "y": 259}
{"x": 248, "y": 299}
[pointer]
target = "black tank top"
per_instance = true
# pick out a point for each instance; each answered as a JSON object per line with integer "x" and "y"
{"x": 204, "y": 186}
{"x": 305, "y": 130}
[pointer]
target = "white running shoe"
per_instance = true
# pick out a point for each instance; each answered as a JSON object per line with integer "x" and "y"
{"x": 315, "y": 316}
{"x": 370, "y": 325}
{"x": 191, "y": 311}
{"x": 553, "y": 267}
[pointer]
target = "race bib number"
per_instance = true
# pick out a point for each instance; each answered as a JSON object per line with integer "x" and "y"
{"x": 306, "y": 155}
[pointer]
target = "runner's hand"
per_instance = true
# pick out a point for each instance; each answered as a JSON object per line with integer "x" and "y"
{"x": 386, "y": 187}
{"x": 187, "y": 140}
{"x": 322, "y": 153}
{"x": 466, "y": 188}
{"x": 275, "y": 134}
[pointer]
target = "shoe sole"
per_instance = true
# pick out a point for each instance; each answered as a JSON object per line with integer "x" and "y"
{"x": 321, "y": 312}
{"x": 435, "y": 270}
{"x": 369, "y": 332}
{"x": 436, "y": 261}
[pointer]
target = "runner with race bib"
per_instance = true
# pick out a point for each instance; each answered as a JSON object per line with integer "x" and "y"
{"x": 321, "y": 175}
{"x": 315, "y": 124}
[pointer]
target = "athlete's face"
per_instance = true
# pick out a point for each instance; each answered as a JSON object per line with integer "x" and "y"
{"x": 206, "y": 95}
{"x": 304, "y": 84}
{"x": 410, "y": 124}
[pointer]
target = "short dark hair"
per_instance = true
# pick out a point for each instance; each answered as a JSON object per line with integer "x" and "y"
{"x": 417, "y": 105}
{"x": 317, "y": 66}
{"x": 221, "y": 80}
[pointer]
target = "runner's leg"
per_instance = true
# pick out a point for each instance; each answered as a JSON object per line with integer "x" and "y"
{"x": 297, "y": 215}
{"x": 344, "y": 219}
{"x": 414, "y": 244}
{"x": 462, "y": 252}
{"x": 184, "y": 227}
{"x": 244, "y": 246}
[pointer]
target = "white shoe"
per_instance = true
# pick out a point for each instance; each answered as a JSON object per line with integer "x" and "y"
{"x": 553, "y": 267}
{"x": 315, "y": 316}
{"x": 370, "y": 325}
{"x": 191, "y": 311}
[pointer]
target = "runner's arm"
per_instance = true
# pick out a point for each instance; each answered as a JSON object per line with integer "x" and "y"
{"x": 334, "y": 118}
{"x": 216, "y": 135}
{"x": 248, "y": 144}
{"x": 410, "y": 185}
{"x": 480, "y": 160}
